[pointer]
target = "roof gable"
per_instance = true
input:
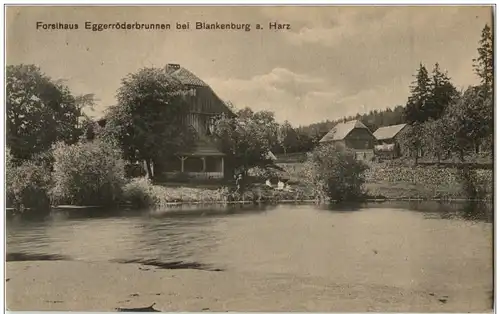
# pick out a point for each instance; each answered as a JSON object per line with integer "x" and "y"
{"x": 388, "y": 132}
{"x": 186, "y": 77}
{"x": 341, "y": 130}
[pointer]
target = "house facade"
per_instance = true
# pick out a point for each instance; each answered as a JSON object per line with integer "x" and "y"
{"x": 389, "y": 141}
{"x": 354, "y": 135}
{"x": 205, "y": 160}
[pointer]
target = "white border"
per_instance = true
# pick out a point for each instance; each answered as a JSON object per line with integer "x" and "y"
{"x": 255, "y": 2}
{"x": 237, "y": 3}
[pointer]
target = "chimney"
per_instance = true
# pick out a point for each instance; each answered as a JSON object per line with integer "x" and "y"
{"x": 171, "y": 67}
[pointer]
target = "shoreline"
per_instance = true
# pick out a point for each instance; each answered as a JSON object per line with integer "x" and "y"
{"x": 104, "y": 286}
{"x": 268, "y": 202}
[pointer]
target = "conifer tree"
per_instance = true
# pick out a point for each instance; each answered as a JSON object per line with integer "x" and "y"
{"x": 420, "y": 98}
{"x": 483, "y": 64}
{"x": 443, "y": 93}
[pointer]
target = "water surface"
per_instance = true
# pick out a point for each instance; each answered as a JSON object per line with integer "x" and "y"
{"x": 410, "y": 245}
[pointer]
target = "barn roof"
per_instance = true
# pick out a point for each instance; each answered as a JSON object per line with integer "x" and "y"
{"x": 203, "y": 147}
{"x": 388, "y": 132}
{"x": 185, "y": 77}
{"x": 341, "y": 130}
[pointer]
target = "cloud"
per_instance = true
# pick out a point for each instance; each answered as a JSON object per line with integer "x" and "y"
{"x": 303, "y": 99}
{"x": 336, "y": 60}
{"x": 296, "y": 97}
{"x": 368, "y": 24}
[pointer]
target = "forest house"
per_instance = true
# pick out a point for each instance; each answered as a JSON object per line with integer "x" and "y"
{"x": 205, "y": 161}
{"x": 354, "y": 135}
{"x": 389, "y": 141}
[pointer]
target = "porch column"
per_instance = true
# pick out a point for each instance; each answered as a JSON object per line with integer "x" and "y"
{"x": 204, "y": 164}
{"x": 182, "y": 158}
{"x": 222, "y": 164}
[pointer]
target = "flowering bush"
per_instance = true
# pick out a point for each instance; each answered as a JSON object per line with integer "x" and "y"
{"x": 335, "y": 173}
{"x": 27, "y": 185}
{"x": 139, "y": 193}
{"x": 87, "y": 174}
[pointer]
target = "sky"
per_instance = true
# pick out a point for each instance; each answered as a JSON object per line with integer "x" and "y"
{"x": 334, "y": 61}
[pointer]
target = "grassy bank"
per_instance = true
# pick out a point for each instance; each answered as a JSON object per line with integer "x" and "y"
{"x": 382, "y": 182}
{"x": 140, "y": 193}
{"x": 400, "y": 181}
{"x": 389, "y": 181}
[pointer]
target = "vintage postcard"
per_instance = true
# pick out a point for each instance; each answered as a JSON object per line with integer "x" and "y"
{"x": 249, "y": 158}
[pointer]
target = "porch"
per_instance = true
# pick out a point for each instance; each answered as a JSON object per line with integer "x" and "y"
{"x": 204, "y": 163}
{"x": 199, "y": 167}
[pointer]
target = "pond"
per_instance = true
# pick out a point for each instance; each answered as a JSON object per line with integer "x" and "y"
{"x": 424, "y": 245}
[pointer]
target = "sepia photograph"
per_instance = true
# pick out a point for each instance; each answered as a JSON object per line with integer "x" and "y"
{"x": 249, "y": 158}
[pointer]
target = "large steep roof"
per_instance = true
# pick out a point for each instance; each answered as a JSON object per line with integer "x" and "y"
{"x": 184, "y": 76}
{"x": 341, "y": 130}
{"x": 388, "y": 132}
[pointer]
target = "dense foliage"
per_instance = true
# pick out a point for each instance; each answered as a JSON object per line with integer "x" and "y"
{"x": 28, "y": 186}
{"x": 446, "y": 121}
{"x": 335, "y": 173}
{"x": 40, "y": 111}
{"x": 246, "y": 138}
{"x": 287, "y": 137}
{"x": 87, "y": 174}
{"x": 147, "y": 121}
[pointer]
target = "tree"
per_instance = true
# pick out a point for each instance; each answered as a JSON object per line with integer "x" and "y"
{"x": 412, "y": 141}
{"x": 89, "y": 129}
{"x": 471, "y": 118}
{"x": 40, "y": 112}
{"x": 246, "y": 138}
{"x": 443, "y": 93}
{"x": 287, "y": 137}
{"x": 305, "y": 142}
{"x": 437, "y": 137}
{"x": 483, "y": 64}
{"x": 147, "y": 121}
{"x": 268, "y": 124}
{"x": 416, "y": 109}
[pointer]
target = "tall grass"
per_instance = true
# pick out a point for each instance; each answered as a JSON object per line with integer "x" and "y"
{"x": 141, "y": 193}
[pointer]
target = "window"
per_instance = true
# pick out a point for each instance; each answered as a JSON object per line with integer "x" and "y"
{"x": 210, "y": 126}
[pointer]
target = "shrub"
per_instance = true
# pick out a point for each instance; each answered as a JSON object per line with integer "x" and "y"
{"x": 474, "y": 186}
{"x": 139, "y": 193}
{"x": 87, "y": 174}
{"x": 335, "y": 173}
{"x": 28, "y": 185}
{"x": 9, "y": 176}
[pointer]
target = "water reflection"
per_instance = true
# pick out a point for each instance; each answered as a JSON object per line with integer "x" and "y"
{"x": 344, "y": 207}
